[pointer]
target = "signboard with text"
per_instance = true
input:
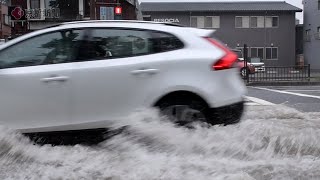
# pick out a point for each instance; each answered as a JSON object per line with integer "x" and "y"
{"x": 171, "y": 20}
{"x": 16, "y": 13}
{"x": 42, "y": 13}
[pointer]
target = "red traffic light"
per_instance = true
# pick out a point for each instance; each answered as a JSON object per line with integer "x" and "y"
{"x": 118, "y": 10}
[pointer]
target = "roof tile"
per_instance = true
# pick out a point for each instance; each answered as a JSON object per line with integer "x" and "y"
{"x": 219, "y": 6}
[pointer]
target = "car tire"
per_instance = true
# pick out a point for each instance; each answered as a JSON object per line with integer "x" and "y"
{"x": 226, "y": 115}
{"x": 243, "y": 72}
{"x": 184, "y": 111}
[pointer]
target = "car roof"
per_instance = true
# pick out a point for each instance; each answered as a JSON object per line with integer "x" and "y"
{"x": 147, "y": 25}
{"x": 125, "y": 23}
{"x": 136, "y": 24}
{"x": 97, "y": 23}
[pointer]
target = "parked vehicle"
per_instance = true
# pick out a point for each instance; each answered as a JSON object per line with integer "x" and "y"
{"x": 88, "y": 74}
{"x": 242, "y": 66}
{"x": 244, "y": 69}
{"x": 257, "y": 63}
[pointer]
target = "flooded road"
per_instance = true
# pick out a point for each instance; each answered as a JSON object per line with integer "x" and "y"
{"x": 271, "y": 142}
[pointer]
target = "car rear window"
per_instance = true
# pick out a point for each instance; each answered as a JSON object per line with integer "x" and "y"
{"x": 162, "y": 42}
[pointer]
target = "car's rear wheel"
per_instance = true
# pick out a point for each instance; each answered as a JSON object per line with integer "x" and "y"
{"x": 184, "y": 111}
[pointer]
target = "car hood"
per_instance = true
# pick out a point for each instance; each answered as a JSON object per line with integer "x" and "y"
{"x": 258, "y": 64}
{"x": 252, "y": 63}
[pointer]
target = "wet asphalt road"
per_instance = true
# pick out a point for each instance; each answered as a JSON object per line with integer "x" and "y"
{"x": 302, "y": 98}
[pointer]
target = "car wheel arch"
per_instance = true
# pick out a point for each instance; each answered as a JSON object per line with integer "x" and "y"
{"x": 179, "y": 93}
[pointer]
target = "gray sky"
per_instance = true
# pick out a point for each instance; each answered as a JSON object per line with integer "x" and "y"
{"x": 297, "y": 3}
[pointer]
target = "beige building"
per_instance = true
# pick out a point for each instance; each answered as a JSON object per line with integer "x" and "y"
{"x": 5, "y": 29}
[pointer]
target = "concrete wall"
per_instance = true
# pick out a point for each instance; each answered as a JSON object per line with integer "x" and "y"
{"x": 282, "y": 37}
{"x": 311, "y": 22}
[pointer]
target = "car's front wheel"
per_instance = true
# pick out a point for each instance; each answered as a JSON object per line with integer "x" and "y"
{"x": 243, "y": 72}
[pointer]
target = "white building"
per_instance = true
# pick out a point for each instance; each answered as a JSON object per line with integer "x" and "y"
{"x": 312, "y": 33}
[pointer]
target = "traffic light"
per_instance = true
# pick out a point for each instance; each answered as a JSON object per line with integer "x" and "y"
{"x": 118, "y": 10}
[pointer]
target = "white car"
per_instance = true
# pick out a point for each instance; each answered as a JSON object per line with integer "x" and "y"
{"x": 84, "y": 75}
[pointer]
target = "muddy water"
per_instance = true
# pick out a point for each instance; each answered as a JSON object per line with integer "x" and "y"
{"x": 272, "y": 142}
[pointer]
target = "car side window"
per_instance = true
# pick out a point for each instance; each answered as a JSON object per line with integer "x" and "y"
{"x": 50, "y": 48}
{"x": 162, "y": 42}
{"x": 117, "y": 43}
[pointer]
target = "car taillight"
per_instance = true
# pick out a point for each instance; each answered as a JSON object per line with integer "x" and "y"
{"x": 227, "y": 61}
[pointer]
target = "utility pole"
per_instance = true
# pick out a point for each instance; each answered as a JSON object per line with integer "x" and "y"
{"x": 92, "y": 9}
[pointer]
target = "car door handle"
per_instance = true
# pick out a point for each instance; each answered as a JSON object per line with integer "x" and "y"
{"x": 144, "y": 71}
{"x": 55, "y": 78}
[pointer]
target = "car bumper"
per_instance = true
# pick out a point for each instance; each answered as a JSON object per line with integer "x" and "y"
{"x": 260, "y": 69}
{"x": 226, "y": 88}
{"x": 230, "y": 114}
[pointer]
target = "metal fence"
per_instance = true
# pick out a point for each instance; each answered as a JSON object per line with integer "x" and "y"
{"x": 280, "y": 74}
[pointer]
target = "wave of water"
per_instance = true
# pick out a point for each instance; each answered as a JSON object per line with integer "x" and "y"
{"x": 273, "y": 142}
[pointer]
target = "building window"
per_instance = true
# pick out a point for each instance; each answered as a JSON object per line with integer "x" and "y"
{"x": 257, "y": 52}
{"x": 212, "y": 22}
{"x": 34, "y": 10}
{"x": 308, "y": 32}
{"x": 34, "y": 4}
{"x": 193, "y": 21}
{"x": 257, "y": 21}
{"x": 69, "y": 9}
{"x": 48, "y": 4}
{"x": 6, "y": 19}
{"x": 272, "y": 21}
{"x": 205, "y": 21}
{"x": 271, "y": 53}
{"x": 318, "y": 4}
{"x": 318, "y": 33}
{"x": 242, "y": 22}
{"x": 197, "y": 21}
{"x": 308, "y": 35}
{"x": 239, "y": 52}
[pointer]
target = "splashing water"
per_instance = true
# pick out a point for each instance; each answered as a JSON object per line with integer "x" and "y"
{"x": 273, "y": 142}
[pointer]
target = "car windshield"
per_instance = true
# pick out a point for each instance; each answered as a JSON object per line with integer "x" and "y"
{"x": 255, "y": 60}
